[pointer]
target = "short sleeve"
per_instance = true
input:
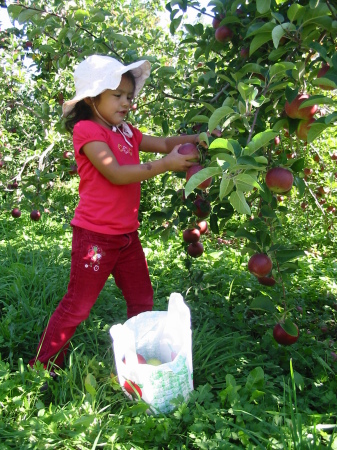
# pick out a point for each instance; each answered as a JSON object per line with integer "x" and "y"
{"x": 87, "y": 131}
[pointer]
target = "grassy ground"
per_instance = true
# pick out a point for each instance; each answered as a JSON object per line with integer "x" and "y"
{"x": 249, "y": 391}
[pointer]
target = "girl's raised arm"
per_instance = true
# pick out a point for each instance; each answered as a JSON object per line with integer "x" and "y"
{"x": 103, "y": 159}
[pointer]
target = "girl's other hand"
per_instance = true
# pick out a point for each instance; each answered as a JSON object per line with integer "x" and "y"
{"x": 176, "y": 162}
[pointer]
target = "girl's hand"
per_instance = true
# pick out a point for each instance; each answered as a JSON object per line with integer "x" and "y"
{"x": 176, "y": 162}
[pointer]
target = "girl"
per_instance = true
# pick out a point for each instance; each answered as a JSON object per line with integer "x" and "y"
{"x": 105, "y": 237}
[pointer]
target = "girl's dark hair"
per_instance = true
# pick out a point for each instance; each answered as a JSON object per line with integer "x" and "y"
{"x": 83, "y": 111}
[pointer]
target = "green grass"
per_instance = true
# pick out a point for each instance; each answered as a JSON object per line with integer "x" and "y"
{"x": 249, "y": 391}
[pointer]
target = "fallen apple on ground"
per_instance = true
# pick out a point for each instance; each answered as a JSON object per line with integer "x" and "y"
{"x": 132, "y": 388}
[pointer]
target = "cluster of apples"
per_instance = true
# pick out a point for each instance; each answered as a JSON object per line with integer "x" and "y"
{"x": 304, "y": 114}
{"x": 261, "y": 265}
{"x": 192, "y": 236}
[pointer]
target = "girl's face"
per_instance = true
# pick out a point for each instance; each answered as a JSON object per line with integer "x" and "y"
{"x": 113, "y": 105}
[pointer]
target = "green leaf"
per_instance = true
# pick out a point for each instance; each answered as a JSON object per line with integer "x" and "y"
{"x": 26, "y": 15}
{"x": 280, "y": 30}
{"x": 199, "y": 118}
{"x": 264, "y": 304}
{"x": 14, "y": 10}
{"x": 90, "y": 384}
{"x": 315, "y": 130}
{"x": 295, "y": 11}
{"x": 81, "y": 14}
{"x": 255, "y": 379}
{"x": 120, "y": 38}
{"x": 217, "y": 116}
{"x": 245, "y": 182}
{"x": 199, "y": 177}
{"x": 222, "y": 143}
{"x": 258, "y": 41}
{"x": 241, "y": 233}
{"x": 280, "y": 68}
{"x": 289, "y": 327}
{"x": 260, "y": 140}
{"x": 226, "y": 186}
{"x": 263, "y": 6}
{"x": 283, "y": 256}
{"x": 238, "y": 201}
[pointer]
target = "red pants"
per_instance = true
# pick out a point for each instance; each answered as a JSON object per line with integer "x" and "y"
{"x": 94, "y": 257}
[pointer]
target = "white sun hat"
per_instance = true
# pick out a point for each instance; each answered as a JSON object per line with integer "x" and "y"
{"x": 98, "y": 73}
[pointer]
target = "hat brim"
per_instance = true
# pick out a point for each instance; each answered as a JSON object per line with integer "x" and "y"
{"x": 141, "y": 71}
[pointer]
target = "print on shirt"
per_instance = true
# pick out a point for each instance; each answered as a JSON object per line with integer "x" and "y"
{"x": 124, "y": 149}
{"x": 93, "y": 257}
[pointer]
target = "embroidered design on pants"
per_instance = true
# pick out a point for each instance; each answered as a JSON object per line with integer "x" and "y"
{"x": 93, "y": 257}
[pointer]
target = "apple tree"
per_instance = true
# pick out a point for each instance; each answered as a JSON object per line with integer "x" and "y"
{"x": 267, "y": 74}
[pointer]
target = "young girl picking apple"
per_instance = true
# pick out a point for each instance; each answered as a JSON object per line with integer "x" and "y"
{"x": 105, "y": 238}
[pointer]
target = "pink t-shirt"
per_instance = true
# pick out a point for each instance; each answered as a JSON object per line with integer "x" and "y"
{"x": 105, "y": 207}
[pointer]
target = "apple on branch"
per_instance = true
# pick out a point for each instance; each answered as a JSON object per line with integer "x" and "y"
{"x": 223, "y": 33}
{"x": 303, "y": 129}
{"x": 282, "y": 337}
{"x": 195, "y": 249}
{"x": 191, "y": 235}
{"x": 293, "y": 110}
{"x": 195, "y": 169}
{"x": 260, "y": 265}
{"x": 279, "y": 180}
{"x": 322, "y": 71}
{"x": 190, "y": 149}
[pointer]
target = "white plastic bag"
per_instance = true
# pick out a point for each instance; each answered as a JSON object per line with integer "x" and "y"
{"x": 162, "y": 335}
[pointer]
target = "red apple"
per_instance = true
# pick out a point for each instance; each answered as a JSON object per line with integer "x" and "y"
{"x": 141, "y": 359}
{"x": 29, "y": 44}
{"x": 323, "y": 190}
{"x": 279, "y": 180}
{"x": 282, "y": 337}
{"x": 223, "y": 33}
{"x": 216, "y": 22}
{"x": 132, "y": 388}
{"x": 67, "y": 154}
{"x": 260, "y": 265}
{"x": 2, "y": 164}
{"x": 35, "y": 215}
{"x": 195, "y": 169}
{"x": 267, "y": 281}
{"x": 190, "y": 149}
{"x": 203, "y": 226}
{"x": 322, "y": 71}
{"x": 16, "y": 212}
{"x": 73, "y": 169}
{"x": 191, "y": 235}
{"x": 201, "y": 207}
{"x": 277, "y": 140}
{"x": 292, "y": 109}
{"x": 303, "y": 129}
{"x": 307, "y": 171}
{"x": 304, "y": 205}
{"x": 195, "y": 249}
{"x": 244, "y": 53}
{"x": 334, "y": 157}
